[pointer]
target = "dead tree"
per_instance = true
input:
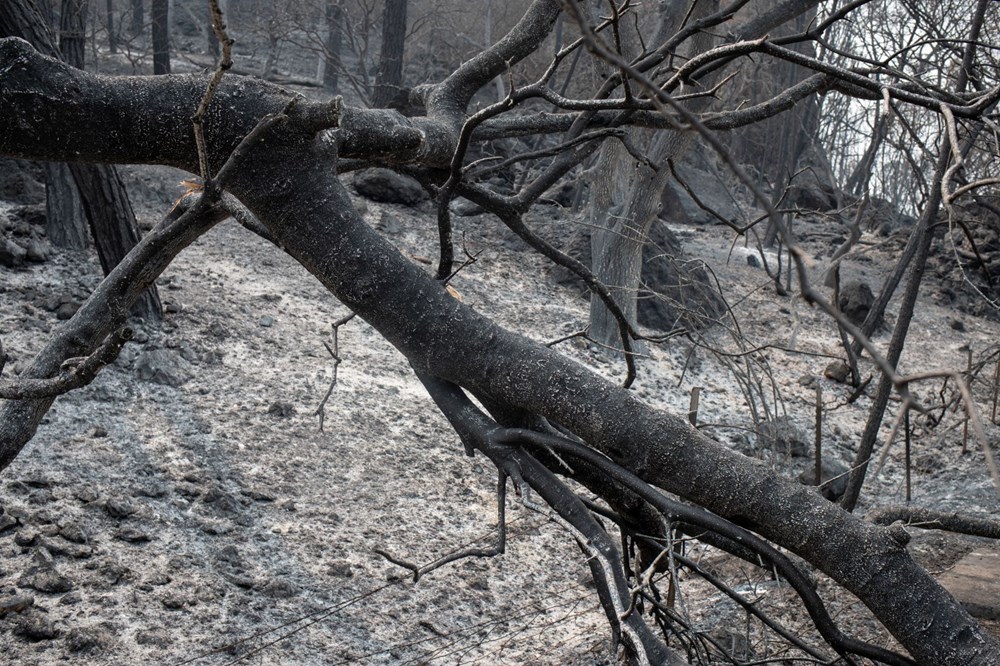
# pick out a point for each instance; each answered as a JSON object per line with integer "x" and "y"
{"x": 389, "y": 78}
{"x": 160, "y": 16}
{"x": 545, "y": 414}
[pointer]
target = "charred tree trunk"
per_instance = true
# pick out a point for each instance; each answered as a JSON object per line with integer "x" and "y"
{"x": 330, "y": 63}
{"x": 160, "y": 15}
{"x": 73, "y": 32}
{"x": 138, "y": 17}
{"x": 292, "y": 186}
{"x": 65, "y": 221}
{"x": 113, "y": 225}
{"x": 389, "y": 78}
{"x": 112, "y": 36}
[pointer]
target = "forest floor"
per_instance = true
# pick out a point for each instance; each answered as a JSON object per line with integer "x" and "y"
{"x": 187, "y": 507}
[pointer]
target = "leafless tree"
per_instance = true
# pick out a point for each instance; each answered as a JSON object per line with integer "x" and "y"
{"x": 540, "y": 416}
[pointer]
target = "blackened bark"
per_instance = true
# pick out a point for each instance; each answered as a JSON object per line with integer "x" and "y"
{"x": 138, "y": 18}
{"x": 293, "y": 189}
{"x": 65, "y": 220}
{"x": 389, "y": 78}
{"x": 160, "y": 15}
{"x": 24, "y": 19}
{"x": 112, "y": 37}
{"x": 113, "y": 225}
{"x": 66, "y": 223}
{"x": 73, "y": 32}
{"x": 331, "y": 52}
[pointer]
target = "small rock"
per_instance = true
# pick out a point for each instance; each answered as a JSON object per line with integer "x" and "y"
{"x": 12, "y": 255}
{"x": 152, "y": 489}
{"x": 162, "y": 366}
{"x": 266, "y": 321}
{"x": 120, "y": 508}
{"x": 47, "y": 580}
{"x": 833, "y": 478}
{"x": 7, "y": 522}
{"x": 35, "y": 627}
{"x": 16, "y": 604}
{"x": 281, "y": 409}
{"x": 132, "y": 535}
{"x": 25, "y": 537}
{"x": 37, "y": 251}
{"x": 70, "y": 598}
{"x": 838, "y": 371}
{"x": 73, "y": 532}
{"x": 86, "y": 494}
{"x": 956, "y": 325}
{"x": 87, "y": 639}
{"x": 62, "y": 547}
{"x": 753, "y": 261}
{"x": 99, "y": 432}
{"x": 66, "y": 310}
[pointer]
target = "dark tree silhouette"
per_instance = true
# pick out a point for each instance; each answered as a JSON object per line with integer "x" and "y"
{"x": 542, "y": 414}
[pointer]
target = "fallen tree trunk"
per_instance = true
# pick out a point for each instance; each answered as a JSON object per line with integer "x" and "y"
{"x": 288, "y": 179}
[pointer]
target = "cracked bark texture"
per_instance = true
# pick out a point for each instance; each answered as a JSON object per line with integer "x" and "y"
{"x": 289, "y": 182}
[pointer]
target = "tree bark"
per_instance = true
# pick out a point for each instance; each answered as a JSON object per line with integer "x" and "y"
{"x": 334, "y": 16}
{"x": 73, "y": 32}
{"x": 160, "y": 15}
{"x": 389, "y": 78}
{"x": 293, "y": 188}
{"x": 627, "y": 195}
{"x": 65, "y": 220}
{"x": 138, "y": 18}
{"x": 112, "y": 36}
{"x": 113, "y": 225}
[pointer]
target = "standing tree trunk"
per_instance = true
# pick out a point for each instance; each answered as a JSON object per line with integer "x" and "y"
{"x": 625, "y": 198}
{"x": 73, "y": 32}
{"x": 113, "y": 225}
{"x": 330, "y": 62}
{"x": 65, "y": 222}
{"x": 160, "y": 14}
{"x": 389, "y": 78}
{"x": 112, "y": 38}
{"x": 138, "y": 18}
